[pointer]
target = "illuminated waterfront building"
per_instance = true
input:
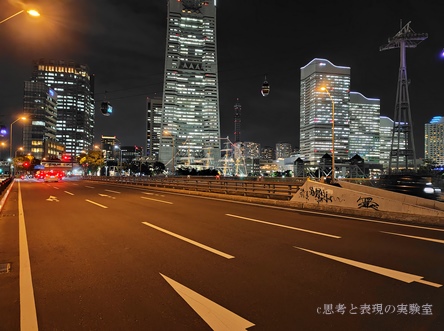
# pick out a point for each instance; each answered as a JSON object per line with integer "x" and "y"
{"x": 364, "y": 127}
{"x": 190, "y": 108}
{"x": 316, "y": 110}
{"x": 434, "y": 140}
{"x": 75, "y": 102}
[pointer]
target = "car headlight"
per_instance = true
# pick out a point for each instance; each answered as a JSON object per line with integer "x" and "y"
{"x": 429, "y": 190}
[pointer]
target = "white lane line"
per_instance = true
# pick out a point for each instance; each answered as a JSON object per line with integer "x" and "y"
{"x": 95, "y": 203}
{"x": 28, "y": 315}
{"x": 415, "y": 237}
{"x": 156, "y": 194}
{"x": 284, "y": 226}
{"x": 156, "y": 200}
{"x": 106, "y": 195}
{"x": 112, "y": 191}
{"x": 216, "y": 316}
{"x": 399, "y": 275}
{"x": 89, "y": 186}
{"x": 212, "y": 250}
{"x": 69, "y": 193}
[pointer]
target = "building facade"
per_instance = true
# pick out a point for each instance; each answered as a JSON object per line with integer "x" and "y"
{"x": 283, "y": 150}
{"x": 434, "y": 140}
{"x": 39, "y": 130}
{"x": 316, "y": 110}
{"x": 153, "y": 127}
{"x": 75, "y": 102}
{"x": 386, "y": 138}
{"x": 364, "y": 127}
{"x": 190, "y": 105}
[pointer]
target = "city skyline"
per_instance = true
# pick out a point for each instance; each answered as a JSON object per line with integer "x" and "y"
{"x": 124, "y": 43}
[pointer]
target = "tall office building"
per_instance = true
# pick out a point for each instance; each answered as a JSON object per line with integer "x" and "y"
{"x": 153, "y": 127}
{"x": 39, "y": 130}
{"x": 190, "y": 108}
{"x": 237, "y": 121}
{"x": 364, "y": 127}
{"x": 283, "y": 150}
{"x": 434, "y": 140}
{"x": 316, "y": 110}
{"x": 386, "y": 139}
{"x": 75, "y": 102}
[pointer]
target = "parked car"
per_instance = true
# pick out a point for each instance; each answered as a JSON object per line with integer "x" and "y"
{"x": 416, "y": 185}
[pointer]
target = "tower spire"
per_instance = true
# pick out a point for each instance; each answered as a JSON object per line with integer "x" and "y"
{"x": 237, "y": 121}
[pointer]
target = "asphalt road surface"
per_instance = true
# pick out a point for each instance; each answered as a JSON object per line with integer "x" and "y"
{"x": 80, "y": 255}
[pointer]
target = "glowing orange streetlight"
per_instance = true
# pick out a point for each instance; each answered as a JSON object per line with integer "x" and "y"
{"x": 10, "y": 134}
{"x": 31, "y": 12}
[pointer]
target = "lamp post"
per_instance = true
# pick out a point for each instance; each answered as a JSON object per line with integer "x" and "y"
{"x": 332, "y": 133}
{"x": 10, "y": 134}
{"x": 31, "y": 12}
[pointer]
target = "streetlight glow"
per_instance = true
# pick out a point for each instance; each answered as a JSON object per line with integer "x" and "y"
{"x": 31, "y": 12}
{"x": 324, "y": 89}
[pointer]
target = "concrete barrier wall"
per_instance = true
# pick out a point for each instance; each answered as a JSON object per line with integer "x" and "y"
{"x": 364, "y": 198}
{"x": 404, "y": 198}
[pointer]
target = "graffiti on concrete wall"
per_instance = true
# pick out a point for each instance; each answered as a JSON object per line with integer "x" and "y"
{"x": 367, "y": 203}
{"x": 318, "y": 193}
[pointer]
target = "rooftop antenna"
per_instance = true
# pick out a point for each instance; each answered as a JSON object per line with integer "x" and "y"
{"x": 403, "y": 145}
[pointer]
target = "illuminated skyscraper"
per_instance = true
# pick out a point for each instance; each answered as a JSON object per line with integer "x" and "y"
{"x": 386, "y": 139}
{"x": 434, "y": 140}
{"x": 75, "y": 102}
{"x": 316, "y": 110}
{"x": 39, "y": 130}
{"x": 364, "y": 127}
{"x": 283, "y": 150}
{"x": 190, "y": 109}
{"x": 153, "y": 127}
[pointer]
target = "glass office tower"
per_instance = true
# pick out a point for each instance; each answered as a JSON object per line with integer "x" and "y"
{"x": 364, "y": 127}
{"x": 75, "y": 102}
{"x": 153, "y": 127}
{"x": 316, "y": 110}
{"x": 190, "y": 108}
{"x": 434, "y": 140}
{"x": 39, "y": 130}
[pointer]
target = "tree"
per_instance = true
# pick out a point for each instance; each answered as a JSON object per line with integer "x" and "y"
{"x": 91, "y": 161}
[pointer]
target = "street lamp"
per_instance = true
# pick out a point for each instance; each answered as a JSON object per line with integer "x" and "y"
{"x": 332, "y": 133}
{"x": 31, "y": 12}
{"x": 10, "y": 134}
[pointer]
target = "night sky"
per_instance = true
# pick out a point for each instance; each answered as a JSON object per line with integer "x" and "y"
{"x": 123, "y": 43}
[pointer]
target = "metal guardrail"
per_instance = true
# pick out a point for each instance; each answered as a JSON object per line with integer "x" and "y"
{"x": 4, "y": 184}
{"x": 259, "y": 188}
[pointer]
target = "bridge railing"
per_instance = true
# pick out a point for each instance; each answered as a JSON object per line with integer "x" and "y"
{"x": 259, "y": 188}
